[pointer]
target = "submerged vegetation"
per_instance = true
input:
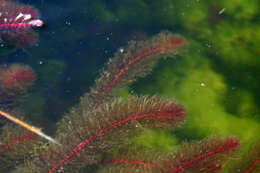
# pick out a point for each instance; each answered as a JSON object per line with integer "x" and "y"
{"x": 214, "y": 126}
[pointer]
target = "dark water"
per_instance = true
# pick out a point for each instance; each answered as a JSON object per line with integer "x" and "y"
{"x": 216, "y": 79}
{"x": 74, "y": 44}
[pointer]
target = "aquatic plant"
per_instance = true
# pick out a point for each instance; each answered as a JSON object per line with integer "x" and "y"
{"x": 111, "y": 125}
{"x": 98, "y": 133}
{"x": 16, "y": 146}
{"x": 136, "y": 60}
{"x": 200, "y": 80}
{"x": 207, "y": 155}
{"x": 16, "y": 21}
{"x": 14, "y": 81}
{"x": 249, "y": 162}
{"x": 135, "y": 113}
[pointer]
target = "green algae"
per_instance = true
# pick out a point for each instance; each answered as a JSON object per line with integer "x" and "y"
{"x": 240, "y": 9}
{"x": 205, "y": 94}
{"x": 237, "y": 44}
{"x": 162, "y": 141}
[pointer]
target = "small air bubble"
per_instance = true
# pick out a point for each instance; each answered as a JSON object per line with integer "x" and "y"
{"x": 202, "y": 84}
{"x": 222, "y": 11}
{"x": 121, "y": 50}
{"x": 208, "y": 45}
{"x": 67, "y": 23}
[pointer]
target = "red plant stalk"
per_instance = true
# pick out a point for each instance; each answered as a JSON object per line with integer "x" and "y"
{"x": 16, "y": 21}
{"x": 17, "y": 16}
{"x": 227, "y": 146}
{"x": 122, "y": 71}
{"x": 253, "y": 166}
{"x": 81, "y": 145}
{"x": 21, "y": 25}
{"x": 17, "y": 140}
{"x": 176, "y": 41}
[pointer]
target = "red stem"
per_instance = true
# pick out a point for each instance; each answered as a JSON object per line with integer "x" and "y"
{"x": 252, "y": 166}
{"x": 122, "y": 71}
{"x": 215, "y": 151}
{"x": 83, "y": 144}
{"x": 17, "y": 140}
{"x": 15, "y": 25}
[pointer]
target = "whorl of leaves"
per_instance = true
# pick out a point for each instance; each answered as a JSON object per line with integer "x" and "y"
{"x": 137, "y": 59}
{"x": 15, "y": 80}
{"x": 249, "y": 162}
{"x": 20, "y": 36}
{"x": 87, "y": 137}
{"x": 152, "y": 112}
{"x": 128, "y": 160}
{"x": 206, "y": 156}
{"x": 16, "y": 146}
